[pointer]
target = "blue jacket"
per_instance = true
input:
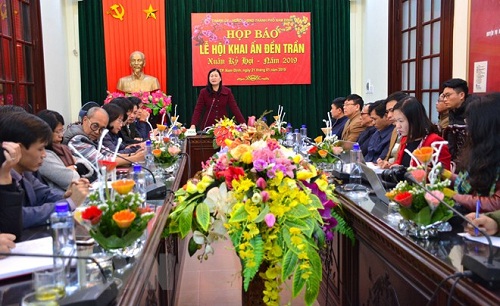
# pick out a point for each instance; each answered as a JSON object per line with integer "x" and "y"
{"x": 39, "y": 199}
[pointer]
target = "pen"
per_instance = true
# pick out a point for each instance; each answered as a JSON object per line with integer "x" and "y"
{"x": 478, "y": 207}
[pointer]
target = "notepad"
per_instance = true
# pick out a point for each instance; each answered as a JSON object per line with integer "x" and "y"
{"x": 495, "y": 241}
{"x": 20, "y": 265}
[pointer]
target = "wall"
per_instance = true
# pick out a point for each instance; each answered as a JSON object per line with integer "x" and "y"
{"x": 62, "y": 66}
{"x": 369, "y": 47}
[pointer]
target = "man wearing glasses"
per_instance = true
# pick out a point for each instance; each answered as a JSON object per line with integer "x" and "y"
{"x": 83, "y": 137}
{"x": 354, "y": 125}
{"x": 456, "y": 97}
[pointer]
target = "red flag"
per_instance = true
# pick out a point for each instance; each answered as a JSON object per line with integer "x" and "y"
{"x": 131, "y": 25}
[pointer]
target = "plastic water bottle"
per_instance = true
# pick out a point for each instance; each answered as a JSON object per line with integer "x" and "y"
{"x": 139, "y": 177}
{"x": 174, "y": 138}
{"x": 289, "y": 136}
{"x": 150, "y": 163}
{"x": 150, "y": 159}
{"x": 355, "y": 175}
{"x": 303, "y": 136}
{"x": 63, "y": 235}
{"x": 297, "y": 141}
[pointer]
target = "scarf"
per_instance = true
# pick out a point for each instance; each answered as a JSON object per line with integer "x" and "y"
{"x": 64, "y": 154}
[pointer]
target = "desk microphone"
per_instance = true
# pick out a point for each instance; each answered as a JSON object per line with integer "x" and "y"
{"x": 153, "y": 191}
{"x": 208, "y": 115}
{"x": 102, "y": 294}
{"x": 487, "y": 270}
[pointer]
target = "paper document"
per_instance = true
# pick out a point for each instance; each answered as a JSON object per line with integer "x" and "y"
{"x": 494, "y": 240}
{"x": 375, "y": 168}
{"x": 20, "y": 265}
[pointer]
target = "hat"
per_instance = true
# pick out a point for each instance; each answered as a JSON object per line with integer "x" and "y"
{"x": 85, "y": 108}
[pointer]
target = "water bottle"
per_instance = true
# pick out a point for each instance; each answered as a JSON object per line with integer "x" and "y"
{"x": 303, "y": 136}
{"x": 355, "y": 175}
{"x": 63, "y": 235}
{"x": 149, "y": 155}
{"x": 296, "y": 141}
{"x": 139, "y": 177}
{"x": 289, "y": 136}
{"x": 174, "y": 138}
{"x": 150, "y": 163}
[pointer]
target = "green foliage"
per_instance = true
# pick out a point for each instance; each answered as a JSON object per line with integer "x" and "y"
{"x": 249, "y": 271}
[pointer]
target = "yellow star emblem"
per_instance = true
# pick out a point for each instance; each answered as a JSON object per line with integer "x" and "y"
{"x": 150, "y": 12}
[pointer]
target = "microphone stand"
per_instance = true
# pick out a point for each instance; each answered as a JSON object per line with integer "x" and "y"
{"x": 487, "y": 270}
{"x": 208, "y": 115}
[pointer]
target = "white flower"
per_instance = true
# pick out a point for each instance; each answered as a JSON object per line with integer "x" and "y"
{"x": 219, "y": 201}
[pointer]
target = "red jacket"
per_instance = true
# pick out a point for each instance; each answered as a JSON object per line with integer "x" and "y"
{"x": 214, "y": 106}
{"x": 444, "y": 155}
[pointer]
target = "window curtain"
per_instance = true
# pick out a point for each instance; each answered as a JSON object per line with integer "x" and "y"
{"x": 92, "y": 56}
{"x": 303, "y": 104}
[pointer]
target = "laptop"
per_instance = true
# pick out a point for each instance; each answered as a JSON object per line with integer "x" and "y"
{"x": 375, "y": 182}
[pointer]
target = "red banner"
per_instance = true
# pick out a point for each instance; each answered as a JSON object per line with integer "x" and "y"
{"x": 252, "y": 48}
{"x": 131, "y": 25}
{"x": 484, "y": 47}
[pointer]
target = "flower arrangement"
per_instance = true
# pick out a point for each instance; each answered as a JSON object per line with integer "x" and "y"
{"x": 325, "y": 151}
{"x": 223, "y": 129}
{"x": 166, "y": 152}
{"x": 158, "y": 102}
{"x": 118, "y": 221}
{"x": 276, "y": 208}
{"x": 155, "y": 102}
{"x": 415, "y": 204}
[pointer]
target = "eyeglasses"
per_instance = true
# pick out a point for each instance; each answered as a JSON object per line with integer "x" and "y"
{"x": 364, "y": 114}
{"x": 446, "y": 96}
{"x": 94, "y": 126}
{"x": 60, "y": 132}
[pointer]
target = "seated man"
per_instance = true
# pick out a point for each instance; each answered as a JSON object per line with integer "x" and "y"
{"x": 352, "y": 109}
{"x": 378, "y": 145}
{"x": 11, "y": 205}
{"x": 83, "y": 136}
{"x": 337, "y": 112}
{"x": 33, "y": 134}
{"x": 367, "y": 123}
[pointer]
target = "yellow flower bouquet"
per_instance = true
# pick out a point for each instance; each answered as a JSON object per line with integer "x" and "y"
{"x": 276, "y": 208}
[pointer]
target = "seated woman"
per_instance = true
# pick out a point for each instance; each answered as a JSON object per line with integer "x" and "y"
{"x": 480, "y": 180}
{"x": 115, "y": 123}
{"x": 416, "y": 130}
{"x": 60, "y": 168}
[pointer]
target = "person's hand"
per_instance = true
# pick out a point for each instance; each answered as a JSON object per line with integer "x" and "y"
{"x": 79, "y": 190}
{"x": 383, "y": 164}
{"x": 7, "y": 243}
{"x": 485, "y": 223}
{"x": 12, "y": 154}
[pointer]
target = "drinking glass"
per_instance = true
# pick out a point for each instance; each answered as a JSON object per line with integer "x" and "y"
{"x": 31, "y": 300}
{"x": 393, "y": 215}
{"x": 50, "y": 284}
{"x": 93, "y": 273}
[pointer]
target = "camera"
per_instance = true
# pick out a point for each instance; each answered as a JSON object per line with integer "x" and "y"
{"x": 394, "y": 174}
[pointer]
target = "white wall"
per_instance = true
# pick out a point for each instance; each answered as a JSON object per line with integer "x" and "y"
{"x": 62, "y": 67}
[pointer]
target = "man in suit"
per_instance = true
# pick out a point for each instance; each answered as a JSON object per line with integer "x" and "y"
{"x": 33, "y": 134}
{"x": 352, "y": 109}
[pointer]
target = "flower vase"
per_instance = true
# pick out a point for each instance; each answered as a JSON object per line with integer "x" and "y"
{"x": 254, "y": 296}
{"x": 412, "y": 229}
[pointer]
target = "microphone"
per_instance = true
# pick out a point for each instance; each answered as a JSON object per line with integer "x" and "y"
{"x": 208, "y": 115}
{"x": 154, "y": 191}
{"x": 101, "y": 294}
{"x": 487, "y": 270}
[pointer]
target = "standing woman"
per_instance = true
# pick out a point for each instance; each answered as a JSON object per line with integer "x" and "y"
{"x": 417, "y": 131}
{"x": 480, "y": 180}
{"x": 213, "y": 102}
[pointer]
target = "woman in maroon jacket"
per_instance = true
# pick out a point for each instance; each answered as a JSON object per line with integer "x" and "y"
{"x": 213, "y": 102}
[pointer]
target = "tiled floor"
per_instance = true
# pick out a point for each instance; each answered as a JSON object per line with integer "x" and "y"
{"x": 216, "y": 281}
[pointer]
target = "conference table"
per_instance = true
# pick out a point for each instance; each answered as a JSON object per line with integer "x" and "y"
{"x": 386, "y": 267}
{"x": 382, "y": 267}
